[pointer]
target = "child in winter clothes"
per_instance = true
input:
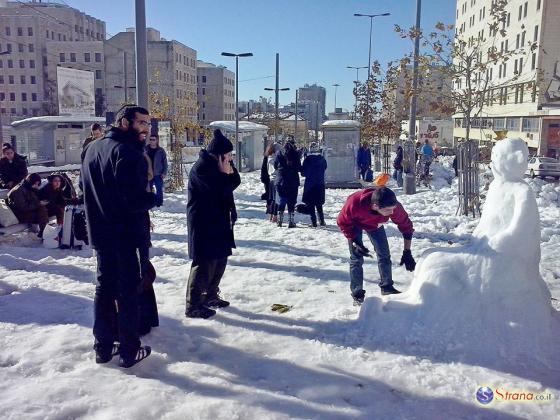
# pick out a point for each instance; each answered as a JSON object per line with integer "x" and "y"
{"x": 288, "y": 166}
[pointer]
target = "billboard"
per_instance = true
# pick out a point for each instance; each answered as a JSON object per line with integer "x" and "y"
{"x": 76, "y": 94}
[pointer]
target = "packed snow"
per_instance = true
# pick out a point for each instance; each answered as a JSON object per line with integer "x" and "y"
{"x": 396, "y": 357}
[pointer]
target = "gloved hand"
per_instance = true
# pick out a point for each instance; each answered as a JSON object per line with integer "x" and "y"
{"x": 360, "y": 249}
{"x": 408, "y": 260}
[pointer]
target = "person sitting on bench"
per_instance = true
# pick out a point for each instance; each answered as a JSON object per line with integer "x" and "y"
{"x": 26, "y": 205}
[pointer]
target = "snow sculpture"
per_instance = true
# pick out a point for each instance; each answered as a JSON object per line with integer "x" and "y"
{"x": 485, "y": 299}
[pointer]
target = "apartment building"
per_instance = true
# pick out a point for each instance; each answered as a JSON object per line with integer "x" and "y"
{"x": 524, "y": 94}
{"x": 311, "y": 101}
{"x": 215, "y": 92}
{"x": 28, "y": 54}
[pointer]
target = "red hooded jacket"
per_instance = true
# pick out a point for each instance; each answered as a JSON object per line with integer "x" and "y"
{"x": 357, "y": 214}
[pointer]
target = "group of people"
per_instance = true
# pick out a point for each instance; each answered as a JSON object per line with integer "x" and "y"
{"x": 280, "y": 174}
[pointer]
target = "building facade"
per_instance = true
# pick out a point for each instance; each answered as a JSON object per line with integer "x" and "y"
{"x": 311, "y": 101}
{"x": 171, "y": 75}
{"x": 26, "y": 29}
{"x": 215, "y": 93}
{"x": 526, "y": 100}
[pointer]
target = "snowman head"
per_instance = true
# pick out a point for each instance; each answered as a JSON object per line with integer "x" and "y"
{"x": 509, "y": 159}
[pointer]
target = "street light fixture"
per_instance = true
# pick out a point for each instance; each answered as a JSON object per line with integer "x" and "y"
{"x": 238, "y": 143}
{"x": 276, "y": 116}
{"x": 356, "y": 82}
{"x": 370, "y": 30}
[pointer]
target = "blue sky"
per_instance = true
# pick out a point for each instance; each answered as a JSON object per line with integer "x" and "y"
{"x": 316, "y": 39}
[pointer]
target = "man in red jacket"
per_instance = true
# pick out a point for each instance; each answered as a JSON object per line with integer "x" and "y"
{"x": 367, "y": 210}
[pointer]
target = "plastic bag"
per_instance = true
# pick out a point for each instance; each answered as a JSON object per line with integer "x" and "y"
{"x": 51, "y": 236}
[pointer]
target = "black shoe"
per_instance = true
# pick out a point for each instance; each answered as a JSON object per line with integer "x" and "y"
{"x": 200, "y": 312}
{"x": 389, "y": 290}
{"x": 359, "y": 297}
{"x": 216, "y": 302}
{"x": 105, "y": 355}
{"x": 141, "y": 354}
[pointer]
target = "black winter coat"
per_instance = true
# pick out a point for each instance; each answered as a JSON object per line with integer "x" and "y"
{"x": 12, "y": 172}
{"x": 210, "y": 209}
{"x": 114, "y": 177}
{"x": 54, "y": 197}
{"x": 397, "y": 163}
{"x": 288, "y": 166}
{"x": 313, "y": 169}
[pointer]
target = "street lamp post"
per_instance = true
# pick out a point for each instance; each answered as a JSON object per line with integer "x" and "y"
{"x": 370, "y": 30}
{"x": 336, "y": 85}
{"x": 356, "y": 82}
{"x": 276, "y": 90}
{"x": 238, "y": 143}
{"x": 1, "y": 129}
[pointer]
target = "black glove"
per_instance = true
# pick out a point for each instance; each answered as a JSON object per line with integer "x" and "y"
{"x": 359, "y": 249}
{"x": 408, "y": 260}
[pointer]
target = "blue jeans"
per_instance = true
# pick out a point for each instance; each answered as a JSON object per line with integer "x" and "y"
{"x": 158, "y": 183}
{"x": 397, "y": 175}
{"x": 378, "y": 238}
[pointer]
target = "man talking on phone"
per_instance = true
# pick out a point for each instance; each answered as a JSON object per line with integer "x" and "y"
{"x": 211, "y": 215}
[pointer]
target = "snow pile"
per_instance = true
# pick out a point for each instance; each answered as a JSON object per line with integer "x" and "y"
{"x": 547, "y": 193}
{"x": 442, "y": 175}
{"x": 485, "y": 300}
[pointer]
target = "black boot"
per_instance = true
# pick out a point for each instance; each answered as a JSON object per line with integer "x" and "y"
{"x": 313, "y": 220}
{"x": 389, "y": 290}
{"x": 280, "y": 218}
{"x": 200, "y": 312}
{"x": 321, "y": 215}
{"x": 291, "y": 223}
{"x": 359, "y": 297}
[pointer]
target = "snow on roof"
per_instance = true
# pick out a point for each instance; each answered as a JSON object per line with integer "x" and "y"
{"x": 55, "y": 119}
{"x": 243, "y": 126}
{"x": 341, "y": 124}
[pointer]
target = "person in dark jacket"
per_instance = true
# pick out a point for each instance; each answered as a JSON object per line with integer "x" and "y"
{"x": 159, "y": 166}
{"x": 398, "y": 167}
{"x": 26, "y": 205}
{"x": 454, "y": 165}
{"x": 288, "y": 166}
{"x": 368, "y": 210}
{"x": 13, "y": 167}
{"x": 96, "y": 133}
{"x": 211, "y": 216}
{"x": 363, "y": 160}
{"x": 114, "y": 180}
{"x": 51, "y": 192}
{"x": 313, "y": 169}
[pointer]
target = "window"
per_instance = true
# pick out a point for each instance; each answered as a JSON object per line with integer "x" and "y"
{"x": 10, "y": 64}
{"x": 534, "y": 61}
{"x": 523, "y": 38}
{"x": 98, "y": 74}
{"x": 9, "y": 47}
{"x": 31, "y": 64}
{"x": 20, "y": 48}
{"x": 35, "y": 112}
{"x": 22, "y": 80}
{"x": 203, "y": 79}
{"x": 47, "y": 34}
{"x": 13, "y": 111}
{"x": 24, "y": 97}
{"x": 1, "y": 64}
{"x": 525, "y": 9}
{"x": 520, "y": 12}
{"x": 21, "y": 64}
{"x": 87, "y": 57}
{"x": 530, "y": 124}
{"x": 11, "y": 79}
{"x": 60, "y": 37}
{"x": 62, "y": 57}
{"x": 29, "y": 31}
{"x": 536, "y": 34}
{"x": 20, "y": 31}
{"x": 8, "y": 31}
{"x": 73, "y": 57}
{"x": 24, "y": 111}
{"x": 34, "y": 97}
{"x": 98, "y": 57}
{"x": 12, "y": 96}
{"x": 538, "y": 4}
{"x": 204, "y": 91}
{"x": 33, "y": 80}
{"x": 31, "y": 48}
{"x": 2, "y": 96}
{"x": 499, "y": 123}
{"x": 517, "y": 41}
{"x": 1, "y": 79}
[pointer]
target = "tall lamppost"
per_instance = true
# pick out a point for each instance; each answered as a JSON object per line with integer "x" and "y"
{"x": 276, "y": 116}
{"x": 356, "y": 82}
{"x": 336, "y": 85}
{"x": 1, "y": 130}
{"x": 238, "y": 143}
{"x": 370, "y": 30}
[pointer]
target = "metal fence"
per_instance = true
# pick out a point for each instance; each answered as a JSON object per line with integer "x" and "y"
{"x": 469, "y": 184}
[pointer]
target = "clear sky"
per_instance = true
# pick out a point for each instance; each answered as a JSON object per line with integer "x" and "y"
{"x": 316, "y": 39}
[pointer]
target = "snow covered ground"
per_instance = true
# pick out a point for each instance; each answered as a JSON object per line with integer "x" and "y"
{"x": 315, "y": 361}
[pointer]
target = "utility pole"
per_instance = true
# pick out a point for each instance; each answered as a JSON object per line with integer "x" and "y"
{"x": 296, "y": 115}
{"x": 316, "y": 121}
{"x": 409, "y": 182}
{"x": 276, "y": 98}
{"x": 336, "y": 85}
{"x": 141, "y": 55}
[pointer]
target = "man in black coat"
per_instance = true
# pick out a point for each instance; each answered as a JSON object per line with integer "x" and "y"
{"x": 210, "y": 218}
{"x": 13, "y": 167}
{"x": 114, "y": 177}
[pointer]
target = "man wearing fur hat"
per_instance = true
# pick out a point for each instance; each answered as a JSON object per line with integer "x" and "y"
{"x": 211, "y": 215}
{"x": 367, "y": 210}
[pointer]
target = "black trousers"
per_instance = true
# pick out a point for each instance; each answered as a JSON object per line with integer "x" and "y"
{"x": 204, "y": 281}
{"x": 118, "y": 277}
